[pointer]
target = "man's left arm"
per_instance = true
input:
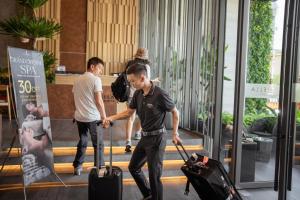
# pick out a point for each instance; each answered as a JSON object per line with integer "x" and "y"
{"x": 98, "y": 97}
{"x": 175, "y": 137}
{"x": 100, "y": 104}
{"x": 169, "y": 106}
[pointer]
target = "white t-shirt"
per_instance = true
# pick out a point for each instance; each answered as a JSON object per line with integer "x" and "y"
{"x": 84, "y": 89}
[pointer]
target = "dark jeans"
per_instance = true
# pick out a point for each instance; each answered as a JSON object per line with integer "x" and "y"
{"x": 150, "y": 149}
{"x": 93, "y": 129}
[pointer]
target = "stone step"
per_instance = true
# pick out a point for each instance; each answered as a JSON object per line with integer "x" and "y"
{"x": 117, "y": 150}
{"x": 121, "y": 142}
{"x": 69, "y": 177}
{"x": 83, "y": 183}
{"x": 171, "y": 155}
{"x": 67, "y": 168}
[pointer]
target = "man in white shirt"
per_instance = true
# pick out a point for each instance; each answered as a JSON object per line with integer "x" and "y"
{"x": 87, "y": 90}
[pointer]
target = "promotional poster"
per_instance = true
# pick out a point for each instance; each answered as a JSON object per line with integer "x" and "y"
{"x": 30, "y": 94}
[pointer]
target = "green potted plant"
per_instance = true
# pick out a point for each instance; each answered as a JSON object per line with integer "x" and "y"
{"x": 201, "y": 119}
{"x": 263, "y": 121}
{"x": 298, "y": 125}
{"x": 227, "y": 124}
{"x": 207, "y": 65}
{"x": 49, "y": 65}
{"x": 30, "y": 28}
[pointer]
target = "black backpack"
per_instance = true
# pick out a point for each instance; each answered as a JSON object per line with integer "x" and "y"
{"x": 121, "y": 88}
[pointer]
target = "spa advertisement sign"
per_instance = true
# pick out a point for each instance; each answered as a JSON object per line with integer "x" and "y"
{"x": 30, "y": 94}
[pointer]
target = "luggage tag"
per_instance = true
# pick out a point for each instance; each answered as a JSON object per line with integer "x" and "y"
{"x": 202, "y": 164}
{"x": 205, "y": 160}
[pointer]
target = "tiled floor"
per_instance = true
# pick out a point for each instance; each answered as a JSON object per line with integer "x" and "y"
{"x": 64, "y": 133}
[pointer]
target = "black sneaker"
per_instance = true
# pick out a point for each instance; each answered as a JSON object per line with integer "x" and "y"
{"x": 128, "y": 148}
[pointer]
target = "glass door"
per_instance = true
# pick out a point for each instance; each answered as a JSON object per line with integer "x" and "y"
{"x": 287, "y": 173}
{"x": 256, "y": 96}
{"x": 293, "y": 164}
{"x": 267, "y": 96}
{"x": 263, "y": 147}
{"x": 261, "y": 93}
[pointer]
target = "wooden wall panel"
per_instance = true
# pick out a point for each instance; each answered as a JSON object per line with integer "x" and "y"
{"x": 74, "y": 34}
{"x": 64, "y": 106}
{"x": 112, "y": 32}
{"x": 50, "y": 10}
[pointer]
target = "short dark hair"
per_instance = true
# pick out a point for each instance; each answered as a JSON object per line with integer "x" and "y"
{"x": 94, "y": 61}
{"x": 137, "y": 69}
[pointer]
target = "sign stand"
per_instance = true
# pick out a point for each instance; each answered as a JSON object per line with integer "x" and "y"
{"x": 59, "y": 179}
{"x": 17, "y": 129}
{"x": 30, "y": 108}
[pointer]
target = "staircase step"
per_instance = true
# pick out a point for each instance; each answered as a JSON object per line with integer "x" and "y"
{"x": 67, "y": 168}
{"x": 117, "y": 150}
{"x": 90, "y": 158}
{"x": 69, "y": 177}
{"x": 121, "y": 142}
{"x": 126, "y": 181}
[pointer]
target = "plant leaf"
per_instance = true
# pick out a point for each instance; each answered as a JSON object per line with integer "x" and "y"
{"x": 30, "y": 27}
{"x": 32, "y": 3}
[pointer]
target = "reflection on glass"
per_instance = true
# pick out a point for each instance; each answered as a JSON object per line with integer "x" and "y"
{"x": 229, "y": 82}
{"x": 261, "y": 91}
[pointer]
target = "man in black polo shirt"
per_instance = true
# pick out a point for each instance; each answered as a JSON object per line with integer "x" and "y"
{"x": 151, "y": 104}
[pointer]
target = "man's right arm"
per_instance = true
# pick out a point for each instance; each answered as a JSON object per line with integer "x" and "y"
{"x": 123, "y": 115}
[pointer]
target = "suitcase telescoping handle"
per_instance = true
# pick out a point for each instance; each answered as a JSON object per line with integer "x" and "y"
{"x": 187, "y": 187}
{"x": 110, "y": 155}
{"x": 182, "y": 147}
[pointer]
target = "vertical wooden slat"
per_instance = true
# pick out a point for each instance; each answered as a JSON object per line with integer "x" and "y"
{"x": 51, "y": 11}
{"x": 112, "y": 31}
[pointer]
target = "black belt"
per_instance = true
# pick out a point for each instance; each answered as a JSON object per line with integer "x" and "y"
{"x": 151, "y": 133}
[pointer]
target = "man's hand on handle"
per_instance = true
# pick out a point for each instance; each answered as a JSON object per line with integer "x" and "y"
{"x": 106, "y": 122}
{"x": 176, "y": 139}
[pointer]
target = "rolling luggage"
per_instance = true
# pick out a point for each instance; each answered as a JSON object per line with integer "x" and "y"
{"x": 208, "y": 177}
{"x": 108, "y": 186}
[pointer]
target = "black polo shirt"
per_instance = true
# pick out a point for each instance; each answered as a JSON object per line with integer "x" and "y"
{"x": 152, "y": 108}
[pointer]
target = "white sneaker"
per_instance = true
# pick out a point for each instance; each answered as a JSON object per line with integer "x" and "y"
{"x": 137, "y": 136}
{"x": 148, "y": 198}
{"x": 77, "y": 171}
{"x": 128, "y": 142}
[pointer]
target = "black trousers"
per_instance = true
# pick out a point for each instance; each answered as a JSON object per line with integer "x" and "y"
{"x": 93, "y": 129}
{"x": 150, "y": 149}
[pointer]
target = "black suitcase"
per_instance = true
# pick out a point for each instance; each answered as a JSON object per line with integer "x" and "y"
{"x": 110, "y": 185}
{"x": 208, "y": 178}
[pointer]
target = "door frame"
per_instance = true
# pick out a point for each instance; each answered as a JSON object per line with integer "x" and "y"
{"x": 287, "y": 104}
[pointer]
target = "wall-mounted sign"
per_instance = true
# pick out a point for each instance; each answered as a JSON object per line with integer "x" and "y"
{"x": 266, "y": 91}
